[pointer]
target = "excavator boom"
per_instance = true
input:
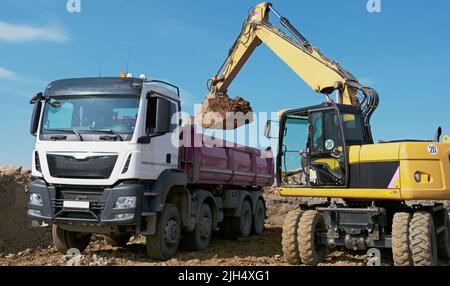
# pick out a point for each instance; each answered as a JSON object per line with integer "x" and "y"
{"x": 320, "y": 73}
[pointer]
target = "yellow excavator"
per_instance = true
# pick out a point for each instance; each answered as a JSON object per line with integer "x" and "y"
{"x": 374, "y": 195}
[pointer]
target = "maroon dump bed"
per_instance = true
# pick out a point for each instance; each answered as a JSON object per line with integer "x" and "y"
{"x": 228, "y": 166}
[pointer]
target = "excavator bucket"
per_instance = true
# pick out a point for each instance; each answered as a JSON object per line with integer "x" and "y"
{"x": 223, "y": 113}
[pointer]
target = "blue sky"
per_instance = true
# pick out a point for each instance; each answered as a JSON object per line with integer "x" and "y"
{"x": 403, "y": 52}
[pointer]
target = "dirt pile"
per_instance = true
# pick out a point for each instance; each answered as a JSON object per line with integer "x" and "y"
{"x": 15, "y": 234}
{"x": 222, "y": 112}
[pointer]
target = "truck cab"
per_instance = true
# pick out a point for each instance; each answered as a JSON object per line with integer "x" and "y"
{"x": 107, "y": 160}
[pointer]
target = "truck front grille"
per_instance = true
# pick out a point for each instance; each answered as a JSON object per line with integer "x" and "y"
{"x": 93, "y": 195}
{"x": 92, "y": 167}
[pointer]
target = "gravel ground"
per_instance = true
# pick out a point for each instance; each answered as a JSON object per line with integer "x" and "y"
{"x": 20, "y": 245}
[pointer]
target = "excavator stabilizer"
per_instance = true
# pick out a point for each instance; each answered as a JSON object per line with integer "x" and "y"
{"x": 224, "y": 113}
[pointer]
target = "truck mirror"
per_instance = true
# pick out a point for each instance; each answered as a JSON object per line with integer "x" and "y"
{"x": 37, "y": 101}
{"x": 267, "y": 128}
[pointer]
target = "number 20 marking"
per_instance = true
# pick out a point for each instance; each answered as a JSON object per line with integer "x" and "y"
{"x": 432, "y": 149}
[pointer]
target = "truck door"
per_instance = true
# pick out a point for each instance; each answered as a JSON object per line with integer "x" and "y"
{"x": 161, "y": 154}
{"x": 327, "y": 151}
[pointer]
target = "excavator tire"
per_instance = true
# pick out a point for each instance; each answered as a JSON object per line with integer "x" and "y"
{"x": 290, "y": 237}
{"x": 422, "y": 236}
{"x": 443, "y": 241}
{"x": 64, "y": 240}
{"x": 401, "y": 249}
{"x": 312, "y": 252}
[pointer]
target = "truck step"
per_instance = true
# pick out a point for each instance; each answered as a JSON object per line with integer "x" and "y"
{"x": 150, "y": 194}
{"x": 148, "y": 214}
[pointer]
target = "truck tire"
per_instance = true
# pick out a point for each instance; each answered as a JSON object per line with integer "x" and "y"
{"x": 422, "y": 236}
{"x": 119, "y": 240}
{"x": 259, "y": 218}
{"x": 234, "y": 227}
{"x": 401, "y": 248}
{"x": 165, "y": 242}
{"x": 290, "y": 237}
{"x": 312, "y": 251}
{"x": 65, "y": 240}
{"x": 200, "y": 238}
{"x": 443, "y": 241}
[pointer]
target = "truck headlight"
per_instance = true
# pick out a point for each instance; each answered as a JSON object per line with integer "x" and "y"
{"x": 123, "y": 216}
{"x": 34, "y": 213}
{"x": 125, "y": 203}
{"x": 36, "y": 199}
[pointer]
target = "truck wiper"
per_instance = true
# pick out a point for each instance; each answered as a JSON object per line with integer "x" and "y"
{"x": 67, "y": 131}
{"x": 116, "y": 134}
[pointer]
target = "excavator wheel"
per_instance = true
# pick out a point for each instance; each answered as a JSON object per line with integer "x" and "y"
{"x": 422, "y": 236}
{"x": 443, "y": 241}
{"x": 290, "y": 237}
{"x": 401, "y": 249}
{"x": 312, "y": 250}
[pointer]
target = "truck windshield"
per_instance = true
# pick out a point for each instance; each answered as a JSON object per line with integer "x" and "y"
{"x": 91, "y": 114}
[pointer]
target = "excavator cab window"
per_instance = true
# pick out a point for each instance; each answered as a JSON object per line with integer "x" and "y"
{"x": 327, "y": 158}
{"x": 294, "y": 151}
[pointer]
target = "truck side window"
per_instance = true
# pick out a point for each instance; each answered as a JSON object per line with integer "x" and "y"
{"x": 173, "y": 117}
{"x": 150, "y": 123}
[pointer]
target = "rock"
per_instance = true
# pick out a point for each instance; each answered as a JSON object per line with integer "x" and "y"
{"x": 24, "y": 253}
{"x": 223, "y": 113}
{"x": 9, "y": 256}
{"x": 262, "y": 260}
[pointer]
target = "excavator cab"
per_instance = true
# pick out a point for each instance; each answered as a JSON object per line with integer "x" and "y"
{"x": 313, "y": 145}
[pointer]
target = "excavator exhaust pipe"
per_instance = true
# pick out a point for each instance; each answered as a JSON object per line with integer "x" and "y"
{"x": 223, "y": 113}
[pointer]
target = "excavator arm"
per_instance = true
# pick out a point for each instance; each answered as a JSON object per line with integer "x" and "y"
{"x": 320, "y": 73}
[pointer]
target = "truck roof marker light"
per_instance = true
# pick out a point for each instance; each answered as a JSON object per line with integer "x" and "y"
{"x": 129, "y": 75}
{"x": 123, "y": 75}
{"x": 143, "y": 76}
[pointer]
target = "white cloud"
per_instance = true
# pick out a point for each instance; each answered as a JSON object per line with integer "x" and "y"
{"x": 23, "y": 33}
{"x": 6, "y": 74}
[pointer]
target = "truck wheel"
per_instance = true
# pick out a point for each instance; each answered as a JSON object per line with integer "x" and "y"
{"x": 401, "y": 249}
{"x": 245, "y": 220}
{"x": 422, "y": 236}
{"x": 290, "y": 238}
{"x": 119, "y": 240}
{"x": 200, "y": 238}
{"x": 65, "y": 240}
{"x": 234, "y": 227}
{"x": 164, "y": 243}
{"x": 259, "y": 218}
{"x": 312, "y": 249}
{"x": 443, "y": 241}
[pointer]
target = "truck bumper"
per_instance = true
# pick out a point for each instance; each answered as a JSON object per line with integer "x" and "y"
{"x": 100, "y": 210}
